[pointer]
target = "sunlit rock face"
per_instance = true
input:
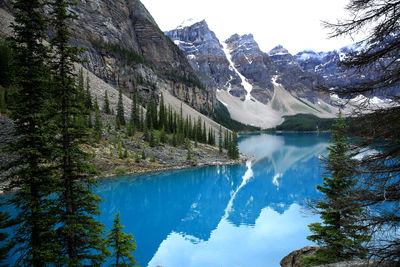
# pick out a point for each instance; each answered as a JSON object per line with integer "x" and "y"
{"x": 125, "y": 47}
{"x": 206, "y": 54}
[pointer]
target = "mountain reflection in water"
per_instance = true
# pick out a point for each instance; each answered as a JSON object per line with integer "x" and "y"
{"x": 245, "y": 215}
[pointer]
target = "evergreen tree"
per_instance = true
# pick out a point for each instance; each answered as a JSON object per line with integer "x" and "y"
{"x": 153, "y": 158}
{"x": 152, "y": 142}
{"x": 143, "y": 155}
{"x": 142, "y": 124}
{"x": 135, "y": 111}
{"x": 163, "y": 136}
{"x": 174, "y": 140}
{"x": 32, "y": 171}
{"x": 162, "y": 114}
{"x": 204, "y": 133}
{"x": 137, "y": 159}
{"x": 106, "y": 107}
{"x": 88, "y": 98}
{"x": 120, "y": 110}
{"x": 7, "y": 64}
{"x": 220, "y": 139}
{"x": 235, "y": 146}
{"x": 341, "y": 234}
{"x": 122, "y": 244}
{"x": 189, "y": 149}
{"x": 226, "y": 139}
{"x": 98, "y": 126}
{"x": 3, "y": 106}
{"x": 79, "y": 233}
{"x": 131, "y": 123}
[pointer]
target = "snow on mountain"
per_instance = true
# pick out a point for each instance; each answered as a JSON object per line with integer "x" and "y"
{"x": 247, "y": 86}
{"x": 257, "y": 88}
{"x": 189, "y": 22}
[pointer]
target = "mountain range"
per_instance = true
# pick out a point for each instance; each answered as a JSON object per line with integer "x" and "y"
{"x": 126, "y": 49}
{"x": 257, "y": 88}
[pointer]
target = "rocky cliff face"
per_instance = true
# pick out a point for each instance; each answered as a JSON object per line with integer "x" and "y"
{"x": 257, "y": 88}
{"x": 206, "y": 55}
{"x": 253, "y": 64}
{"x": 297, "y": 81}
{"x": 328, "y": 65}
{"x": 126, "y": 48}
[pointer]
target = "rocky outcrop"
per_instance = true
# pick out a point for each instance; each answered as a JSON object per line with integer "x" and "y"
{"x": 294, "y": 258}
{"x": 206, "y": 55}
{"x": 253, "y": 64}
{"x": 125, "y": 47}
{"x": 297, "y": 81}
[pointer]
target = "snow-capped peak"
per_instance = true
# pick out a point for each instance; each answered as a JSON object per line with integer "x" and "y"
{"x": 189, "y": 22}
{"x": 278, "y": 50}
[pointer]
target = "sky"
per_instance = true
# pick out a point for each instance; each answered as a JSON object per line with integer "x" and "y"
{"x": 295, "y": 24}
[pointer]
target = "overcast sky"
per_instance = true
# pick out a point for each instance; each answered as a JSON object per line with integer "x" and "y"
{"x": 295, "y": 24}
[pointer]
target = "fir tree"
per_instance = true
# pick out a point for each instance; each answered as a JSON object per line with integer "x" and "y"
{"x": 32, "y": 171}
{"x": 151, "y": 139}
{"x": 143, "y": 155}
{"x": 220, "y": 139}
{"x": 79, "y": 233}
{"x": 120, "y": 110}
{"x": 235, "y": 146}
{"x": 3, "y": 106}
{"x": 106, "y": 107}
{"x": 122, "y": 244}
{"x": 162, "y": 116}
{"x": 341, "y": 234}
{"x": 88, "y": 98}
{"x": 135, "y": 111}
{"x": 163, "y": 136}
{"x": 189, "y": 149}
{"x": 98, "y": 126}
{"x": 137, "y": 158}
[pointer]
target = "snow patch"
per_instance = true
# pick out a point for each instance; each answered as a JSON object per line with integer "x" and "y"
{"x": 247, "y": 86}
{"x": 189, "y": 22}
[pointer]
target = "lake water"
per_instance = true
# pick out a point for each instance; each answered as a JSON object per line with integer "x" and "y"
{"x": 245, "y": 215}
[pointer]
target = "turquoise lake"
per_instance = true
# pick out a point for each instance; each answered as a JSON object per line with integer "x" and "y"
{"x": 244, "y": 215}
{"x": 224, "y": 216}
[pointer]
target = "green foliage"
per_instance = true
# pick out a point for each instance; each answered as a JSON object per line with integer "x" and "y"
{"x": 143, "y": 155}
{"x": 31, "y": 171}
{"x": 120, "y": 171}
{"x": 189, "y": 149}
{"x": 220, "y": 144}
{"x": 137, "y": 158}
{"x": 122, "y": 244}
{"x": 341, "y": 234}
{"x": 3, "y": 106}
{"x": 98, "y": 126}
{"x": 153, "y": 158}
{"x": 222, "y": 116}
{"x": 7, "y": 64}
{"x": 120, "y": 110}
{"x": 78, "y": 231}
{"x": 88, "y": 96}
{"x": 106, "y": 107}
{"x": 152, "y": 141}
{"x": 130, "y": 57}
{"x": 234, "y": 146}
{"x": 305, "y": 122}
{"x": 186, "y": 79}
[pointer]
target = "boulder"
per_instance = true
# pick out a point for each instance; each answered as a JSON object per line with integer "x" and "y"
{"x": 294, "y": 258}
